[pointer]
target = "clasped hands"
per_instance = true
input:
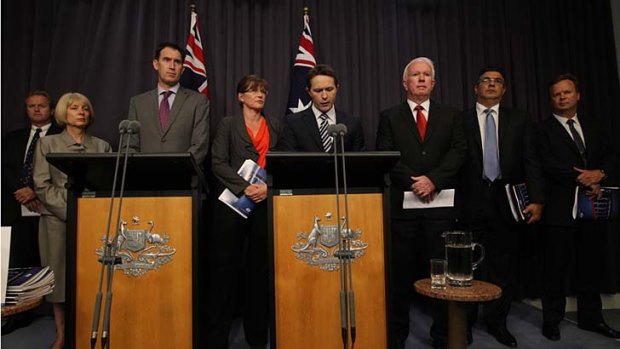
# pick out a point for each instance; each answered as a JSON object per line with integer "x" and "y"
{"x": 423, "y": 188}
{"x": 590, "y": 179}
{"x": 256, "y": 192}
{"x": 28, "y": 198}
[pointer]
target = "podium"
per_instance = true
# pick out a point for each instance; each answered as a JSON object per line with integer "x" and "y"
{"x": 304, "y": 276}
{"x": 155, "y": 289}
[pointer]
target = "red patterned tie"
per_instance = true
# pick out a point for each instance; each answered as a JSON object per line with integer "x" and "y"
{"x": 164, "y": 110}
{"x": 421, "y": 121}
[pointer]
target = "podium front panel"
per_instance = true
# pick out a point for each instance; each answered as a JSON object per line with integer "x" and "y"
{"x": 307, "y": 298}
{"x": 149, "y": 311}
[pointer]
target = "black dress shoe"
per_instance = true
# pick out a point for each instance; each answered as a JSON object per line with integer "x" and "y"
{"x": 502, "y": 335}
{"x": 551, "y": 331}
{"x": 601, "y": 328}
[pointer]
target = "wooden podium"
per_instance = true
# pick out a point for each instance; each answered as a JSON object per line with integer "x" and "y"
{"x": 305, "y": 279}
{"x": 155, "y": 299}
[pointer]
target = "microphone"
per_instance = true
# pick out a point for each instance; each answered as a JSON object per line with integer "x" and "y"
{"x": 133, "y": 127}
{"x": 337, "y": 130}
{"x": 105, "y": 258}
{"x": 122, "y": 127}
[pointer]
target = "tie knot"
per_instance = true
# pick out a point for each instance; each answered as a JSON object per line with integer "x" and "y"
{"x": 324, "y": 117}
{"x": 38, "y": 130}
{"x": 167, "y": 94}
{"x": 488, "y": 111}
{"x": 419, "y": 108}
{"x": 570, "y": 122}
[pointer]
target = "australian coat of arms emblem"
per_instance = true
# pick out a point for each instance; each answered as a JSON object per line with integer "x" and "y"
{"x": 321, "y": 246}
{"x": 139, "y": 250}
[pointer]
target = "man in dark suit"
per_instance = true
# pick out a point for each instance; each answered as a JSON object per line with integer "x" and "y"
{"x": 173, "y": 119}
{"x": 430, "y": 139}
{"x": 303, "y": 130}
{"x": 20, "y": 206}
{"x": 497, "y": 156}
{"x": 574, "y": 152}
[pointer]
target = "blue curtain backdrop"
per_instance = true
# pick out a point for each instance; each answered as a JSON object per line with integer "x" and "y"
{"x": 104, "y": 49}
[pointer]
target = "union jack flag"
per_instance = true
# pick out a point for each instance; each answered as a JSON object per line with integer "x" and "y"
{"x": 298, "y": 99}
{"x": 195, "y": 74}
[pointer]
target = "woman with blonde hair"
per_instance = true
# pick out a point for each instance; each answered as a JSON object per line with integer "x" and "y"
{"x": 75, "y": 112}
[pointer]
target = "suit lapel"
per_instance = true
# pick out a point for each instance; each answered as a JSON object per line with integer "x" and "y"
{"x": 504, "y": 121}
{"x": 310, "y": 122}
{"x": 179, "y": 100}
{"x": 241, "y": 130}
{"x": 408, "y": 119}
{"x": 474, "y": 127}
{"x": 432, "y": 122}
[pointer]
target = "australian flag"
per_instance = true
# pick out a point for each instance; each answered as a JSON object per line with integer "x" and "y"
{"x": 298, "y": 98}
{"x": 195, "y": 74}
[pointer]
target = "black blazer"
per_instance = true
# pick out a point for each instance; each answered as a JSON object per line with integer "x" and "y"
{"x": 518, "y": 161}
{"x": 559, "y": 155}
{"x": 232, "y": 146}
{"x": 301, "y": 132}
{"x": 14, "y": 146}
{"x": 439, "y": 156}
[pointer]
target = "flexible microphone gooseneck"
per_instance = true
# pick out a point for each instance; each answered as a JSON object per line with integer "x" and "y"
{"x": 342, "y": 131}
{"x": 344, "y": 316}
{"x": 122, "y": 129}
{"x": 133, "y": 127}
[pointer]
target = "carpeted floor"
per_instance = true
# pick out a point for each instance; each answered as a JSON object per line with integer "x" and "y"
{"x": 524, "y": 322}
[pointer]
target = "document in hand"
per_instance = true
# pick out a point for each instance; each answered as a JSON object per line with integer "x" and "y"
{"x": 251, "y": 172}
{"x": 600, "y": 209}
{"x": 28, "y": 283}
{"x": 518, "y": 199}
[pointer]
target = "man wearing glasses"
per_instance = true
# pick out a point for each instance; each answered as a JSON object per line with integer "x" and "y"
{"x": 500, "y": 151}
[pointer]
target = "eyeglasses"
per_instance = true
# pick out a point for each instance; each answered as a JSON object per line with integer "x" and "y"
{"x": 488, "y": 80}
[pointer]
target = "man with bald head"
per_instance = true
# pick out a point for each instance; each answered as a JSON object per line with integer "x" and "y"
{"x": 430, "y": 139}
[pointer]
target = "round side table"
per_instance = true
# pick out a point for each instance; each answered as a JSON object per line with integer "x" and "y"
{"x": 480, "y": 291}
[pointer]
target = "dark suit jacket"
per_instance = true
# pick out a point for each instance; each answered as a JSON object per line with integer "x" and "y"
{"x": 188, "y": 125}
{"x": 518, "y": 161}
{"x": 13, "y": 152}
{"x": 301, "y": 132}
{"x": 559, "y": 155}
{"x": 439, "y": 156}
{"x": 232, "y": 146}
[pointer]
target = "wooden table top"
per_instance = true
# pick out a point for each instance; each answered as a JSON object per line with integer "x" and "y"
{"x": 480, "y": 291}
{"x": 9, "y": 310}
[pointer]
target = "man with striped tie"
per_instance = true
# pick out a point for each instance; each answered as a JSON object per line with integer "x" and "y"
{"x": 307, "y": 130}
{"x": 20, "y": 205}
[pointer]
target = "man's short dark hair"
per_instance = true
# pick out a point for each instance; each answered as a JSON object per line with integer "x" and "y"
{"x": 488, "y": 69}
{"x": 321, "y": 69}
{"x": 565, "y": 76}
{"x": 171, "y": 45}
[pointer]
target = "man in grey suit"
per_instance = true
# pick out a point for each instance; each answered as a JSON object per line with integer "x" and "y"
{"x": 173, "y": 119}
{"x": 303, "y": 130}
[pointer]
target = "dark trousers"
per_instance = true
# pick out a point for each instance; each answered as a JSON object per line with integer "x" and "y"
{"x": 583, "y": 242}
{"x": 25, "y": 243}
{"x": 499, "y": 234}
{"x": 238, "y": 246}
{"x": 414, "y": 242}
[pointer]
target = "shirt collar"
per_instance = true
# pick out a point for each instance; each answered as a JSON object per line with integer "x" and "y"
{"x": 481, "y": 108}
{"x": 426, "y": 105}
{"x": 174, "y": 89}
{"x": 563, "y": 119}
{"x": 331, "y": 114}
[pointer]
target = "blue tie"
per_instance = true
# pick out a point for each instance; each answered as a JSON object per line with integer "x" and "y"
{"x": 490, "y": 153}
{"x": 26, "y": 177}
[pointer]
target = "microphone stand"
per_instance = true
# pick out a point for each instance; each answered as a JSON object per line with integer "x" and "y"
{"x": 133, "y": 127}
{"x": 104, "y": 258}
{"x": 342, "y": 271}
{"x": 347, "y": 240}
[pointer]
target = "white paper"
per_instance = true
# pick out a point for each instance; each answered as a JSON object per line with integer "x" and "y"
{"x": 5, "y": 249}
{"x": 27, "y": 213}
{"x": 444, "y": 198}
